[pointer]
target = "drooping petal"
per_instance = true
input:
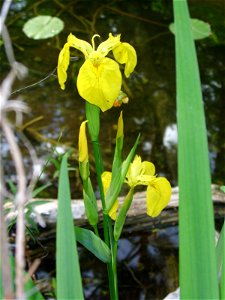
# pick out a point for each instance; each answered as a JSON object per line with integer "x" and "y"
{"x": 109, "y": 44}
{"x": 100, "y": 84}
{"x": 126, "y": 54}
{"x": 80, "y": 45}
{"x": 106, "y": 179}
{"x": 63, "y": 63}
{"x": 158, "y": 196}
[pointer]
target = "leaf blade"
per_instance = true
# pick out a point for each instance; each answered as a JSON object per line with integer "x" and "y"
{"x": 198, "y": 276}
{"x": 68, "y": 275}
{"x": 93, "y": 243}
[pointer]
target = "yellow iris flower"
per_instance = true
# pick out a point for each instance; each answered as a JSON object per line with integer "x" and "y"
{"x": 99, "y": 80}
{"x": 158, "y": 188}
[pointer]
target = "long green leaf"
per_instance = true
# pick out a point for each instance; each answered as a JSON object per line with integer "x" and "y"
{"x": 220, "y": 249}
{"x": 93, "y": 243}
{"x": 68, "y": 275}
{"x": 220, "y": 254}
{"x": 40, "y": 189}
{"x": 118, "y": 179}
{"x": 121, "y": 217}
{"x": 198, "y": 274}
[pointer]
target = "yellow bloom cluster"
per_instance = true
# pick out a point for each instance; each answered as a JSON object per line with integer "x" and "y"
{"x": 158, "y": 188}
{"x": 143, "y": 173}
{"x": 99, "y": 80}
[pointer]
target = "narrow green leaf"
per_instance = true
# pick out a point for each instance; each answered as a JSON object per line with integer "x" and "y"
{"x": 12, "y": 187}
{"x": 220, "y": 249}
{"x": 40, "y": 189}
{"x": 220, "y": 254}
{"x": 31, "y": 291}
{"x": 93, "y": 243}
{"x": 118, "y": 179}
{"x": 90, "y": 203}
{"x": 198, "y": 274}
{"x": 120, "y": 220}
{"x": 43, "y": 27}
{"x": 222, "y": 188}
{"x": 117, "y": 160}
{"x": 69, "y": 285}
{"x": 200, "y": 29}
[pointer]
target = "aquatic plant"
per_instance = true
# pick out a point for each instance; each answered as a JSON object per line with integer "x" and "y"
{"x": 99, "y": 83}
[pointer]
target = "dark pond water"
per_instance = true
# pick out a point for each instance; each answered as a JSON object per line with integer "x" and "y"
{"x": 151, "y": 111}
{"x": 152, "y": 107}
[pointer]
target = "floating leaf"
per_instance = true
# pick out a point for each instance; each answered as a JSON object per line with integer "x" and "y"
{"x": 200, "y": 29}
{"x": 43, "y": 27}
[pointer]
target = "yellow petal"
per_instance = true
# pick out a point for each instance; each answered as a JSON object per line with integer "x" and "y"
{"x": 148, "y": 168}
{"x": 126, "y": 54}
{"x": 106, "y": 179}
{"x": 113, "y": 210}
{"x": 109, "y": 44}
{"x": 158, "y": 196}
{"x": 83, "y": 147}
{"x": 140, "y": 173}
{"x": 80, "y": 45}
{"x": 63, "y": 63}
{"x": 120, "y": 126}
{"x": 100, "y": 84}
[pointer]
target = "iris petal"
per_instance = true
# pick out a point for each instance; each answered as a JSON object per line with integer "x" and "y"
{"x": 158, "y": 196}
{"x": 106, "y": 179}
{"x": 109, "y": 44}
{"x": 79, "y": 44}
{"x": 83, "y": 146}
{"x": 63, "y": 63}
{"x": 148, "y": 168}
{"x": 140, "y": 173}
{"x": 100, "y": 84}
{"x": 126, "y": 54}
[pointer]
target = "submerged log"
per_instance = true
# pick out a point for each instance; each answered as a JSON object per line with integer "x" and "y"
{"x": 137, "y": 219}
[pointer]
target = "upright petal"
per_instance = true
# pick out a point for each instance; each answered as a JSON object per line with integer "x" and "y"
{"x": 80, "y": 45}
{"x": 82, "y": 145}
{"x": 109, "y": 44}
{"x": 106, "y": 179}
{"x": 63, "y": 63}
{"x": 126, "y": 54}
{"x": 140, "y": 173}
{"x": 158, "y": 196}
{"x": 100, "y": 84}
{"x": 120, "y": 126}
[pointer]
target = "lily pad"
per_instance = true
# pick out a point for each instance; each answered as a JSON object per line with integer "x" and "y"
{"x": 200, "y": 29}
{"x": 43, "y": 27}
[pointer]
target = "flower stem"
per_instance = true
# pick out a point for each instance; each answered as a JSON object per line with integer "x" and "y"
{"x": 107, "y": 225}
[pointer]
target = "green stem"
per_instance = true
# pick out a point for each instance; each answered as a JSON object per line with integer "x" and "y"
{"x": 107, "y": 225}
{"x": 95, "y": 227}
{"x": 114, "y": 267}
